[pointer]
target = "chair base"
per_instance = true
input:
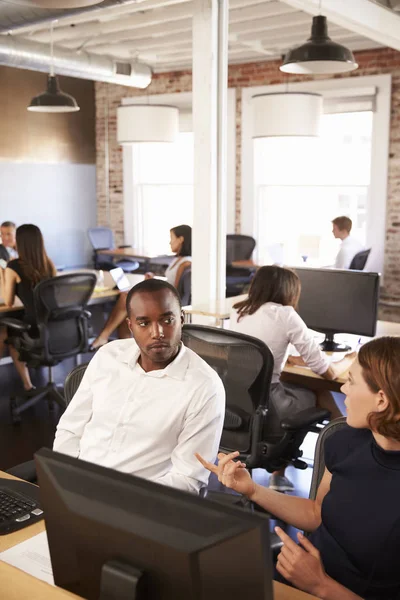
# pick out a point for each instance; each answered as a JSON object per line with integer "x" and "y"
{"x": 49, "y": 392}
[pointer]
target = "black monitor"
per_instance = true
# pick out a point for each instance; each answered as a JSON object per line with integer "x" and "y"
{"x": 112, "y": 534}
{"x": 338, "y": 301}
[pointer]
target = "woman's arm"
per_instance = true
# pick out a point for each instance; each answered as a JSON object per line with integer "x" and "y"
{"x": 179, "y": 273}
{"x": 299, "y": 512}
{"x": 9, "y": 283}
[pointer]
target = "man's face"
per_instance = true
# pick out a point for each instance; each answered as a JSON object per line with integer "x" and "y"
{"x": 8, "y": 236}
{"x": 336, "y": 231}
{"x": 155, "y": 321}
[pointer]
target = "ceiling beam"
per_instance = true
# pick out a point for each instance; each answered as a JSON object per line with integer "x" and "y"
{"x": 361, "y": 16}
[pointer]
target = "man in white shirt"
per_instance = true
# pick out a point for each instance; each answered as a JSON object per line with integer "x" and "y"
{"x": 145, "y": 406}
{"x": 8, "y": 246}
{"x": 341, "y": 227}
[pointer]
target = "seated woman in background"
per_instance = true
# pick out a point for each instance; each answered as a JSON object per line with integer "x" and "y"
{"x": 269, "y": 313}
{"x": 181, "y": 245}
{"x": 19, "y": 279}
{"x": 353, "y": 552}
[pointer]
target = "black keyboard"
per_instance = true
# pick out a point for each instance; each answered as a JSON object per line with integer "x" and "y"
{"x": 17, "y": 510}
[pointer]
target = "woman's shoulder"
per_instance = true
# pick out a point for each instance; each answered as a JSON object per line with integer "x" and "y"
{"x": 343, "y": 443}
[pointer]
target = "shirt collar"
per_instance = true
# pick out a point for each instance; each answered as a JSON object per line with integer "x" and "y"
{"x": 176, "y": 369}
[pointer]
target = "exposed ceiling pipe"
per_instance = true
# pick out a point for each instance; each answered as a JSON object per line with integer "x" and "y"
{"x": 25, "y": 54}
{"x": 60, "y": 14}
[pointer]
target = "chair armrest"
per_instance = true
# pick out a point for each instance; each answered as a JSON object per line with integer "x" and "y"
{"x": 125, "y": 246}
{"x": 305, "y": 418}
{"x": 15, "y": 324}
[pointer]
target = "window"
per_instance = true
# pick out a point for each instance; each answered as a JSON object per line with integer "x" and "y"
{"x": 163, "y": 190}
{"x": 301, "y": 184}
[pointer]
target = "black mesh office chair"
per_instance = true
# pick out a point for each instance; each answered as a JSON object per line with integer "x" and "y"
{"x": 62, "y": 331}
{"x": 245, "y": 365}
{"x": 238, "y": 279}
{"x": 27, "y": 470}
{"x": 185, "y": 287}
{"x": 360, "y": 260}
{"x": 102, "y": 238}
{"x": 319, "y": 454}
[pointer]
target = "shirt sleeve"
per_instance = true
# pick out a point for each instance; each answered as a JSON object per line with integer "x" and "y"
{"x": 78, "y": 413}
{"x": 302, "y": 339}
{"x": 201, "y": 433}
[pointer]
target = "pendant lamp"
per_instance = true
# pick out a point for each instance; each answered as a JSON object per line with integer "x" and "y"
{"x": 287, "y": 114}
{"x": 319, "y": 55}
{"x": 147, "y": 123}
{"x": 53, "y": 100}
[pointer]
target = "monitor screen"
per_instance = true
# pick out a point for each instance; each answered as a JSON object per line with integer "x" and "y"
{"x": 121, "y": 280}
{"x": 107, "y": 530}
{"x": 339, "y": 301}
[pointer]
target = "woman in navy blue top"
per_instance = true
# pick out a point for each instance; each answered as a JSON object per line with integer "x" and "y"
{"x": 354, "y": 548}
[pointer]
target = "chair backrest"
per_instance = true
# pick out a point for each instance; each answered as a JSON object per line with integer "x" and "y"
{"x": 319, "y": 454}
{"x": 360, "y": 260}
{"x": 239, "y": 247}
{"x": 60, "y": 314}
{"x": 72, "y": 382}
{"x": 245, "y": 365}
{"x": 101, "y": 238}
{"x": 185, "y": 287}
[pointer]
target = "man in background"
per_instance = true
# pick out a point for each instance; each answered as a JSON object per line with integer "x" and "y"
{"x": 349, "y": 246}
{"x": 8, "y": 249}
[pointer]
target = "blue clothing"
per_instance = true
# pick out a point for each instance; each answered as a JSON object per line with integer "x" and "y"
{"x": 359, "y": 538}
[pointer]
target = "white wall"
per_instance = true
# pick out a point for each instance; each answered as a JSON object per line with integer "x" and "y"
{"x": 58, "y": 198}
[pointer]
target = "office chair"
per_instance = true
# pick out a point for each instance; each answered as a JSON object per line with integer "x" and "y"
{"x": 102, "y": 238}
{"x": 245, "y": 365}
{"x": 185, "y": 287}
{"x": 238, "y": 247}
{"x": 27, "y": 470}
{"x": 62, "y": 328}
{"x": 360, "y": 260}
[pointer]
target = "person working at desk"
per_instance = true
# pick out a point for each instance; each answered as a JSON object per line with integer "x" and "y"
{"x": 19, "y": 279}
{"x": 8, "y": 250}
{"x": 341, "y": 227}
{"x": 181, "y": 245}
{"x": 269, "y": 313}
{"x": 145, "y": 405}
{"x": 353, "y": 552}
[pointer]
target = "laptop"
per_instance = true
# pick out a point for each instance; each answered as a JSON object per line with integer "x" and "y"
{"x": 120, "y": 279}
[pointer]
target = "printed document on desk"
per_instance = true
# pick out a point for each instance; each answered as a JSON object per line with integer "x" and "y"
{"x": 31, "y": 556}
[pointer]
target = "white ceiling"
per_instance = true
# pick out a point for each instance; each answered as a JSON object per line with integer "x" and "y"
{"x": 159, "y": 32}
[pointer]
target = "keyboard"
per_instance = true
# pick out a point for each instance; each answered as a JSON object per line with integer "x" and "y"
{"x": 17, "y": 510}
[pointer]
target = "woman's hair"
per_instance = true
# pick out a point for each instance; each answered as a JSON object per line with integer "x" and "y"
{"x": 379, "y": 361}
{"x": 35, "y": 263}
{"x": 271, "y": 284}
{"x": 186, "y": 232}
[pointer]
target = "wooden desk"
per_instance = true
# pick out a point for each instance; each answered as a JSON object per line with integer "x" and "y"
{"x": 17, "y": 585}
{"x": 219, "y": 310}
{"x": 139, "y": 254}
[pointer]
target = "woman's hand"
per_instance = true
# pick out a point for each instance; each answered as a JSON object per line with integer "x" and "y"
{"x": 149, "y": 275}
{"x": 232, "y": 474}
{"x": 301, "y": 566}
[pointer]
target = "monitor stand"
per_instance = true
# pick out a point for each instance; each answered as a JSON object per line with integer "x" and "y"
{"x": 329, "y": 345}
{"x": 121, "y": 580}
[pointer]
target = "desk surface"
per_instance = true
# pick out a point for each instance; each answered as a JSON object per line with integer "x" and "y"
{"x": 17, "y": 585}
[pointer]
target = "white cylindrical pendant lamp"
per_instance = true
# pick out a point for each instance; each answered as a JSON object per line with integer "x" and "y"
{"x": 147, "y": 123}
{"x": 283, "y": 114}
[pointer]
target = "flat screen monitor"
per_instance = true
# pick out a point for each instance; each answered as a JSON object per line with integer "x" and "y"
{"x": 112, "y": 534}
{"x": 338, "y": 301}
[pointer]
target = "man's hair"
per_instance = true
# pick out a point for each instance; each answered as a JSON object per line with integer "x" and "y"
{"x": 149, "y": 286}
{"x": 343, "y": 223}
{"x": 8, "y": 224}
{"x": 379, "y": 361}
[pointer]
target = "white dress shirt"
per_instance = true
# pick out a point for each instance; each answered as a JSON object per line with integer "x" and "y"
{"x": 348, "y": 249}
{"x": 278, "y": 326}
{"x": 147, "y": 424}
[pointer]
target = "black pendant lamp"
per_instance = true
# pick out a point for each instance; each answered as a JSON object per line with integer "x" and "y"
{"x": 319, "y": 55}
{"x": 53, "y": 100}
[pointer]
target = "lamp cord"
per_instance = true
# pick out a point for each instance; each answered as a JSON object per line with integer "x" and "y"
{"x": 52, "y": 48}
{"x": 320, "y": 7}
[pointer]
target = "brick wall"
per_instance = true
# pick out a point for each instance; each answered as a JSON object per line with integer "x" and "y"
{"x": 371, "y": 62}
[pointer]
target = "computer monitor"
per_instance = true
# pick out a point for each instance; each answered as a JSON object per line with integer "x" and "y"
{"x": 111, "y": 533}
{"x": 338, "y": 301}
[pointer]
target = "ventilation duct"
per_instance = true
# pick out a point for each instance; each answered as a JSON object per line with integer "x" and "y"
{"x": 26, "y": 54}
{"x": 55, "y": 3}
